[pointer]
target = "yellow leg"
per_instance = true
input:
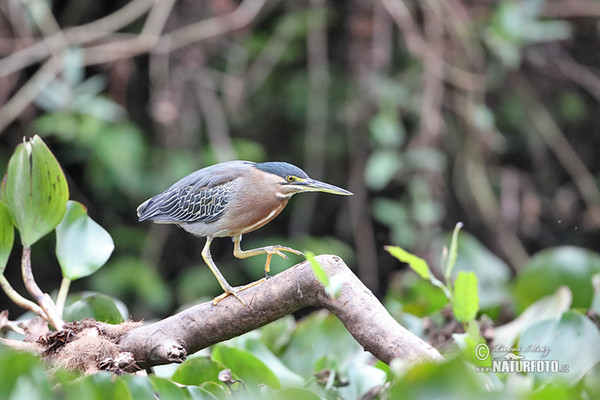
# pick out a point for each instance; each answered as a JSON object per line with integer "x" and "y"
{"x": 217, "y": 299}
{"x": 268, "y": 250}
{"x": 226, "y": 286}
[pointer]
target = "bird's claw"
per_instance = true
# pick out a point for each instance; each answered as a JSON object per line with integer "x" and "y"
{"x": 279, "y": 249}
{"x": 232, "y": 292}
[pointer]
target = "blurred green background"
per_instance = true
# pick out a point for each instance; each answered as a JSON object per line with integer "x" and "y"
{"x": 431, "y": 112}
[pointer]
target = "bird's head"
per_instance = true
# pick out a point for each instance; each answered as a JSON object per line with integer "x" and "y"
{"x": 293, "y": 180}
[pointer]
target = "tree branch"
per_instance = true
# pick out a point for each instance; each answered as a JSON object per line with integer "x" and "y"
{"x": 172, "y": 339}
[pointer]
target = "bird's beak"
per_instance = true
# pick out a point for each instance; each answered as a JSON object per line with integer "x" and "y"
{"x": 311, "y": 185}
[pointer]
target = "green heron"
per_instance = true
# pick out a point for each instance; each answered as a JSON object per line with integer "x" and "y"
{"x": 231, "y": 199}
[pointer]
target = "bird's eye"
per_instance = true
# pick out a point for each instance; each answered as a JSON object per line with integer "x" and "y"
{"x": 290, "y": 178}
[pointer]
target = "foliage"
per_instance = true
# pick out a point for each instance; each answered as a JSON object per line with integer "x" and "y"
{"x": 35, "y": 190}
{"x": 432, "y": 111}
{"x": 35, "y": 202}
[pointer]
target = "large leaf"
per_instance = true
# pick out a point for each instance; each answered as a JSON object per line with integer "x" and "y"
{"x": 97, "y": 306}
{"x": 23, "y": 376}
{"x": 546, "y": 308}
{"x": 197, "y": 370}
{"x": 246, "y": 366}
{"x": 571, "y": 340}
{"x": 7, "y": 236}
{"x": 316, "y": 336}
{"x": 82, "y": 246}
{"x": 165, "y": 389}
{"x": 35, "y": 190}
{"x": 551, "y": 268}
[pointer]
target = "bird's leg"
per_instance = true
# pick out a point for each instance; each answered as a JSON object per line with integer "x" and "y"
{"x": 213, "y": 267}
{"x": 268, "y": 250}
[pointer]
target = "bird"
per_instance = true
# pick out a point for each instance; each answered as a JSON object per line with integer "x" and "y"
{"x": 231, "y": 199}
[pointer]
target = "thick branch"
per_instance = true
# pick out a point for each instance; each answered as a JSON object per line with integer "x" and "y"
{"x": 171, "y": 339}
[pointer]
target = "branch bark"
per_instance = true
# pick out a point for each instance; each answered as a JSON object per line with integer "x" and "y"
{"x": 172, "y": 339}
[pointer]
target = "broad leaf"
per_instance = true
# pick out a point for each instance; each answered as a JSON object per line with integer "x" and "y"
{"x": 551, "y": 268}
{"x": 82, "y": 246}
{"x": 35, "y": 190}
{"x": 545, "y": 308}
{"x": 165, "y": 389}
{"x": 292, "y": 394}
{"x": 97, "y": 306}
{"x": 572, "y": 340}
{"x": 246, "y": 366}
{"x": 7, "y": 236}
{"x": 197, "y": 370}
{"x": 466, "y": 297}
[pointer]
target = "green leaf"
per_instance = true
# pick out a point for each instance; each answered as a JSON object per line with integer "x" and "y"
{"x": 417, "y": 264}
{"x": 246, "y": 366}
{"x": 35, "y": 190}
{"x": 97, "y": 306}
{"x": 452, "y": 253}
{"x": 216, "y": 390}
{"x": 546, "y": 308}
{"x": 566, "y": 265}
{"x": 277, "y": 334}
{"x": 140, "y": 387}
{"x": 492, "y": 273}
{"x": 572, "y": 340}
{"x": 82, "y": 246}
{"x": 23, "y": 376}
{"x": 101, "y": 385}
{"x": 361, "y": 379}
{"x": 7, "y": 236}
{"x": 381, "y": 168}
{"x": 167, "y": 390}
{"x": 319, "y": 272}
{"x": 292, "y": 394}
{"x": 466, "y": 297}
{"x": 286, "y": 377}
{"x": 197, "y": 370}
{"x": 317, "y": 335}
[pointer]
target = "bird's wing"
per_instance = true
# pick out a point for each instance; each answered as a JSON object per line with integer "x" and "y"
{"x": 198, "y": 197}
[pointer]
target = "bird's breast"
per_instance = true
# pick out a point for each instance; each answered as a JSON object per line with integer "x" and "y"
{"x": 251, "y": 205}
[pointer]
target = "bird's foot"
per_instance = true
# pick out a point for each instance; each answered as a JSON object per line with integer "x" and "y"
{"x": 277, "y": 249}
{"x": 234, "y": 292}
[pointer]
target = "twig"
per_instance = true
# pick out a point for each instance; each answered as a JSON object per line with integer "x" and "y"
{"x": 44, "y": 301}
{"x": 75, "y": 36}
{"x": 405, "y": 22}
{"x": 550, "y": 132}
{"x": 22, "y": 346}
{"x": 242, "y": 16}
{"x": 214, "y": 116}
{"x": 20, "y": 300}
{"x": 317, "y": 112}
{"x": 433, "y": 85}
{"x": 61, "y": 298}
{"x": 28, "y": 92}
{"x": 270, "y": 55}
{"x": 173, "y": 338}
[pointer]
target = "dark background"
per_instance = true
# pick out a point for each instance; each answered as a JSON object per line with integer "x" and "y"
{"x": 431, "y": 112}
